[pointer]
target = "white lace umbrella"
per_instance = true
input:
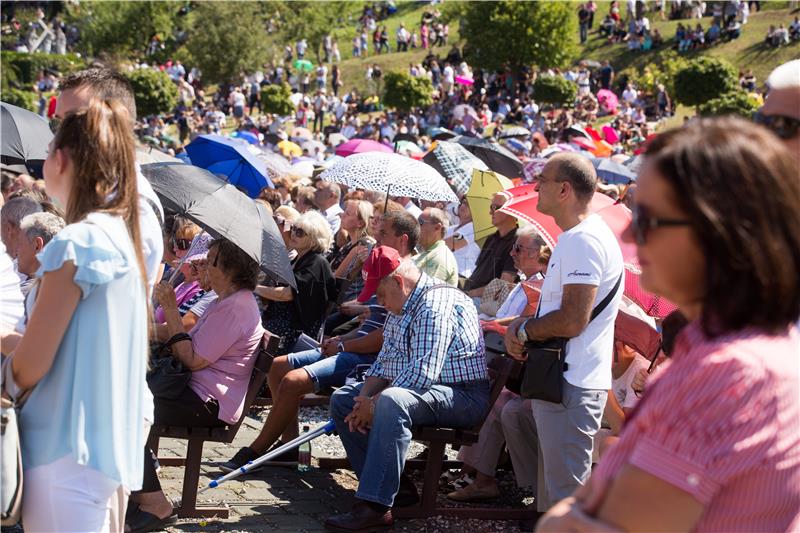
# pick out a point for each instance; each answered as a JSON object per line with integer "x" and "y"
{"x": 392, "y": 174}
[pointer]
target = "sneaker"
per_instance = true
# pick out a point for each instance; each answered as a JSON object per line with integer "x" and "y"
{"x": 288, "y": 458}
{"x": 243, "y": 456}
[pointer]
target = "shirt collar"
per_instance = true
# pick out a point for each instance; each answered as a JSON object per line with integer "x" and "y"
{"x": 422, "y": 284}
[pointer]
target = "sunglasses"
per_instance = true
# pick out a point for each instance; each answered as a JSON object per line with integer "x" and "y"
{"x": 54, "y": 123}
{"x": 182, "y": 244}
{"x": 493, "y": 208}
{"x": 517, "y": 248}
{"x": 782, "y": 126}
{"x": 642, "y": 223}
{"x": 298, "y": 232}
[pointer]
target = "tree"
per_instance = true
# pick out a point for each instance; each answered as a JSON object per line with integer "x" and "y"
{"x": 704, "y": 79}
{"x": 518, "y": 34}
{"x": 555, "y": 90}
{"x": 312, "y": 21}
{"x": 229, "y": 39}
{"x": 736, "y": 102}
{"x": 121, "y": 29}
{"x": 154, "y": 91}
{"x": 276, "y": 99}
{"x": 405, "y": 92}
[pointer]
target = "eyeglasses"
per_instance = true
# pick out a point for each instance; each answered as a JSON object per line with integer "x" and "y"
{"x": 298, "y": 232}
{"x": 642, "y": 222}
{"x": 782, "y": 126}
{"x": 182, "y": 244}
{"x": 493, "y": 208}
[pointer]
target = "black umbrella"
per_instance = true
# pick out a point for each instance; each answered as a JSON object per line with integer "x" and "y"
{"x": 496, "y": 157}
{"x": 223, "y": 211}
{"x": 25, "y": 138}
{"x": 405, "y": 137}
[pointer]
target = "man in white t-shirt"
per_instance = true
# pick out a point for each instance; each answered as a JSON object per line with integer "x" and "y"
{"x": 585, "y": 267}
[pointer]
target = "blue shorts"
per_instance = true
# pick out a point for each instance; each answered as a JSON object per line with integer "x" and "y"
{"x": 328, "y": 371}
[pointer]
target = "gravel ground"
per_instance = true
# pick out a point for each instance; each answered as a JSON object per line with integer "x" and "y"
{"x": 511, "y": 495}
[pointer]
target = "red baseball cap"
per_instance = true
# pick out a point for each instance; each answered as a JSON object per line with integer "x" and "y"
{"x": 382, "y": 261}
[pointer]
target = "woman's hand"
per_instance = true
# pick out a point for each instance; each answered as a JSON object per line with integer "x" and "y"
{"x": 567, "y": 515}
{"x": 165, "y": 296}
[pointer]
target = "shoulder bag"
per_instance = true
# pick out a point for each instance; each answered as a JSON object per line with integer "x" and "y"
{"x": 167, "y": 377}
{"x": 11, "y": 468}
{"x": 544, "y": 369}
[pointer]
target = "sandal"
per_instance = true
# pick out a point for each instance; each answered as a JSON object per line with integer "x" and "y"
{"x": 142, "y": 522}
{"x": 471, "y": 493}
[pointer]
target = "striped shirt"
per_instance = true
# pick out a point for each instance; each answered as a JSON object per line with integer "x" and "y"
{"x": 722, "y": 423}
{"x": 436, "y": 339}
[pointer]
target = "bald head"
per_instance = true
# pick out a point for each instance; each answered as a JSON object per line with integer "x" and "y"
{"x": 576, "y": 170}
{"x": 783, "y": 98}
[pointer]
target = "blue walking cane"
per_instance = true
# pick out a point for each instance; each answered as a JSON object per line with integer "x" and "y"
{"x": 325, "y": 429}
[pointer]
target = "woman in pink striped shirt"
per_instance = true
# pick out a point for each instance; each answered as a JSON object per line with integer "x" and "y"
{"x": 714, "y": 444}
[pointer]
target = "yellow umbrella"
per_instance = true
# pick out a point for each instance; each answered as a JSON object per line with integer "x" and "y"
{"x": 288, "y": 148}
{"x": 485, "y": 184}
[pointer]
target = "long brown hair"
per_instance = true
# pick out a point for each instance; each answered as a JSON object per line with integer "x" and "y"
{"x": 100, "y": 143}
{"x": 740, "y": 189}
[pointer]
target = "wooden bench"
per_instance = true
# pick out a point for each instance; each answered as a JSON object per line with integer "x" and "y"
{"x": 196, "y": 436}
{"x": 501, "y": 369}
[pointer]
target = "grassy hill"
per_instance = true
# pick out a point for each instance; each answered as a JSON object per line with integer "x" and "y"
{"x": 747, "y": 52}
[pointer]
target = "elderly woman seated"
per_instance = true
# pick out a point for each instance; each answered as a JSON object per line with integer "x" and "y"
{"x": 220, "y": 354}
{"x": 190, "y": 298}
{"x": 291, "y": 312}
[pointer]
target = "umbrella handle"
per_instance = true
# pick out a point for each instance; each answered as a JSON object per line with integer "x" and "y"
{"x": 386, "y": 203}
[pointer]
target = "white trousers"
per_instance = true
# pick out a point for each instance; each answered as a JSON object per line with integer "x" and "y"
{"x": 64, "y": 496}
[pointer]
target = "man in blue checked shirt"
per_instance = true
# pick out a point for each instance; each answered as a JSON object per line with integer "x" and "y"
{"x": 431, "y": 370}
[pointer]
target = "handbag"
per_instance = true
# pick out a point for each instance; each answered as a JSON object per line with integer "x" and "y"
{"x": 168, "y": 377}
{"x": 11, "y": 478}
{"x": 542, "y": 377}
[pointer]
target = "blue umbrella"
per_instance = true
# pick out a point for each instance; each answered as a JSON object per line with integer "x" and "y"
{"x": 613, "y": 173}
{"x": 247, "y": 136}
{"x": 231, "y": 158}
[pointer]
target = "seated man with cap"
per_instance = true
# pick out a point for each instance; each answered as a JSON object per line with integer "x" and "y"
{"x": 293, "y": 376}
{"x": 430, "y": 371}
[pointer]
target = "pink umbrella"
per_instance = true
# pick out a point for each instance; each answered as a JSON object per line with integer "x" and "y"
{"x": 608, "y": 100}
{"x": 359, "y": 146}
{"x": 463, "y": 80}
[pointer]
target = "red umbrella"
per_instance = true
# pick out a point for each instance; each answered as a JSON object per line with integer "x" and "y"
{"x": 359, "y": 146}
{"x": 522, "y": 204}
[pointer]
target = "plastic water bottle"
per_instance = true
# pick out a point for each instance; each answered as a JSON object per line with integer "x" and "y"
{"x": 304, "y": 454}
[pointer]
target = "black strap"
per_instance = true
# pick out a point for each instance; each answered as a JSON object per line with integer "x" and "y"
{"x": 607, "y": 300}
{"x": 178, "y": 337}
{"x": 601, "y": 306}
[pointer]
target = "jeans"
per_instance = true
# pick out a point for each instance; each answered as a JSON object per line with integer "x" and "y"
{"x": 379, "y": 456}
{"x": 566, "y": 433}
{"x": 329, "y": 371}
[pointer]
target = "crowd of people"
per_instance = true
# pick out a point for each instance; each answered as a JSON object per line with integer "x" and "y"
{"x": 705, "y": 424}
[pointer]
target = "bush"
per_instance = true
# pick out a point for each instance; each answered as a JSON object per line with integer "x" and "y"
{"x": 276, "y": 99}
{"x": 736, "y": 102}
{"x": 555, "y": 90}
{"x": 20, "y": 98}
{"x": 154, "y": 91}
{"x": 405, "y": 92}
{"x": 29, "y": 65}
{"x": 704, "y": 79}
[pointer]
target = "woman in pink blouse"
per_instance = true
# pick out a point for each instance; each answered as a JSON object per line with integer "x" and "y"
{"x": 714, "y": 443}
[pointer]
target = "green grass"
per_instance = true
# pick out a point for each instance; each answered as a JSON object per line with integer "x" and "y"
{"x": 747, "y": 52}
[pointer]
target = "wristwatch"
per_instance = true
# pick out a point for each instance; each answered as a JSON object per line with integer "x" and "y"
{"x": 522, "y": 335}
